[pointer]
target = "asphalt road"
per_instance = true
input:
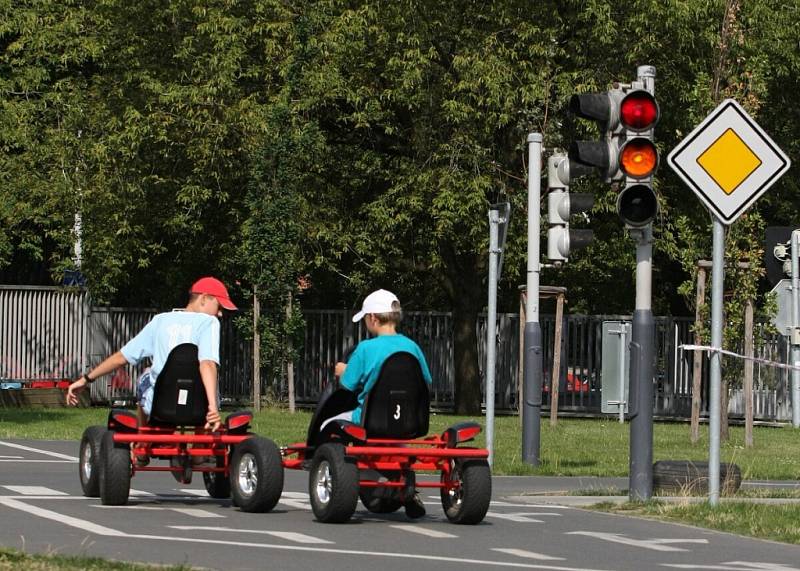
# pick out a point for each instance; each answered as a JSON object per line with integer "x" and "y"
{"x": 42, "y": 510}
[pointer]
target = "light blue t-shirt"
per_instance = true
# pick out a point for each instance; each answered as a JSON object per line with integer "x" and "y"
{"x": 168, "y": 330}
{"x": 365, "y": 364}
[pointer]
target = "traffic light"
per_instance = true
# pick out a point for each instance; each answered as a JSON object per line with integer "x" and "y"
{"x": 778, "y": 252}
{"x": 561, "y": 205}
{"x": 627, "y": 153}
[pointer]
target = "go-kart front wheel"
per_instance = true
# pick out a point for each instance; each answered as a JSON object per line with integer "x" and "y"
{"x": 256, "y": 475}
{"x": 89, "y": 464}
{"x": 333, "y": 484}
{"x": 115, "y": 471}
{"x": 468, "y": 501}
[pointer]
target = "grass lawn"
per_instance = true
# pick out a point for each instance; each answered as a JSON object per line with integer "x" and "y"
{"x": 778, "y": 522}
{"x": 11, "y": 559}
{"x": 576, "y": 447}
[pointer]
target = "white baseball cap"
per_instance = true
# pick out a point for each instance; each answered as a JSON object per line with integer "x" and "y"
{"x": 379, "y": 301}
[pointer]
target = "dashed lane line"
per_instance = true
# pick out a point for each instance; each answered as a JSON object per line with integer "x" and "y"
{"x": 424, "y": 531}
{"x": 35, "y": 491}
{"x": 656, "y": 544}
{"x": 193, "y": 512}
{"x": 287, "y": 535}
{"x": 40, "y": 451}
{"x": 527, "y": 554}
{"x": 61, "y": 518}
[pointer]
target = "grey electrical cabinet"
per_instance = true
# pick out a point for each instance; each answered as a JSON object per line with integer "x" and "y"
{"x": 616, "y": 366}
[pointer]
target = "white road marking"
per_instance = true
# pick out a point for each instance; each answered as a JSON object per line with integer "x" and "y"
{"x": 502, "y": 504}
{"x": 424, "y": 531}
{"x": 196, "y": 512}
{"x": 23, "y": 461}
{"x": 297, "y": 500}
{"x": 40, "y": 451}
{"x": 140, "y": 493}
{"x": 35, "y": 491}
{"x": 527, "y": 554}
{"x": 735, "y": 566}
{"x": 652, "y": 544}
{"x": 65, "y": 519}
{"x": 100, "y": 530}
{"x": 288, "y": 535}
{"x": 522, "y": 517}
{"x": 11, "y": 457}
{"x": 193, "y": 512}
{"x": 194, "y": 492}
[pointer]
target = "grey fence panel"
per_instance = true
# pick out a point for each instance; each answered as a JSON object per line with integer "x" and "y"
{"x": 42, "y": 333}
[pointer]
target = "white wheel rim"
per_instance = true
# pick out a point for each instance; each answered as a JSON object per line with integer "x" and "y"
{"x": 86, "y": 461}
{"x": 323, "y": 485}
{"x": 456, "y": 494}
{"x": 248, "y": 474}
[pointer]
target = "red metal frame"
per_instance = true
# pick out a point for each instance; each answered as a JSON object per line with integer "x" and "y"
{"x": 430, "y": 454}
{"x": 158, "y": 442}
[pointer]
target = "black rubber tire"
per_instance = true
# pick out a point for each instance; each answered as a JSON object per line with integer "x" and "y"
{"x": 256, "y": 478}
{"x": 380, "y": 500}
{"x": 469, "y": 503}
{"x": 687, "y": 477}
{"x": 218, "y": 485}
{"x": 115, "y": 471}
{"x": 332, "y": 484}
{"x": 89, "y": 460}
{"x": 376, "y": 504}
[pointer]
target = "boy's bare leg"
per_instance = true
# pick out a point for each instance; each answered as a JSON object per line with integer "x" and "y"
{"x": 141, "y": 417}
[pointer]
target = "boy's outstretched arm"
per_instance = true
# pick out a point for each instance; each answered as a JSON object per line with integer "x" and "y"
{"x": 110, "y": 364}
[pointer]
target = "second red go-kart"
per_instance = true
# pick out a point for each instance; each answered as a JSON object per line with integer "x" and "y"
{"x": 233, "y": 461}
{"x": 379, "y": 459}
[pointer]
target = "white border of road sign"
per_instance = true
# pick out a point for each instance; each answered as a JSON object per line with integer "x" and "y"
{"x": 684, "y": 161}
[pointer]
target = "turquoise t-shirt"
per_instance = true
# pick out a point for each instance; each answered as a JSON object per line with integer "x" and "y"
{"x": 168, "y": 330}
{"x": 365, "y": 364}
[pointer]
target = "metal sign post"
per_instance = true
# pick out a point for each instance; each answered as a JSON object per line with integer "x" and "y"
{"x": 498, "y": 216}
{"x": 728, "y": 161}
{"x": 532, "y": 338}
{"x": 794, "y": 331}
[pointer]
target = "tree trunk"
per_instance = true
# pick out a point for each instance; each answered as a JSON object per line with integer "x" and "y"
{"x": 467, "y": 375}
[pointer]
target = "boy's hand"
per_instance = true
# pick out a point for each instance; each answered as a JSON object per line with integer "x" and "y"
{"x": 339, "y": 368}
{"x": 73, "y": 390}
{"x": 213, "y": 420}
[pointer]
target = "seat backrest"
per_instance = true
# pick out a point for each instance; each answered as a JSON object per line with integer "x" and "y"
{"x": 398, "y": 406}
{"x": 179, "y": 396}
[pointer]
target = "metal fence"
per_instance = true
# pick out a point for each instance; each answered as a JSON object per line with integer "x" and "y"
{"x": 51, "y": 334}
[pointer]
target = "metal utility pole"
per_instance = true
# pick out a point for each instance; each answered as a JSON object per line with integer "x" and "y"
{"x": 532, "y": 357}
{"x": 795, "y": 331}
{"x": 715, "y": 358}
{"x": 640, "y": 395}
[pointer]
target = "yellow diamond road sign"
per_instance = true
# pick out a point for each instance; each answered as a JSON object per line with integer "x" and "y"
{"x": 728, "y": 161}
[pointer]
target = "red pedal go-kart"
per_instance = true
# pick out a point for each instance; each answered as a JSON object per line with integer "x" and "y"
{"x": 233, "y": 461}
{"x": 378, "y": 460}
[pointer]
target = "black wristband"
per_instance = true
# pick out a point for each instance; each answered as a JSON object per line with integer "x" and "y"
{"x": 89, "y": 380}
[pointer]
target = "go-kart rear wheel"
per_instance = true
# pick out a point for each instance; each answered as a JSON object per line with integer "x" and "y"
{"x": 468, "y": 502}
{"x": 115, "y": 471}
{"x": 372, "y": 500}
{"x": 218, "y": 485}
{"x": 256, "y": 475}
{"x": 332, "y": 484}
{"x": 89, "y": 464}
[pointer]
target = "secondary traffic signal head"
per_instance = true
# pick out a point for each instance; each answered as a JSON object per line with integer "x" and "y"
{"x": 561, "y": 205}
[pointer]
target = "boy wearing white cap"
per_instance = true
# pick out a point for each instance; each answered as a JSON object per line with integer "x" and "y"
{"x": 381, "y": 314}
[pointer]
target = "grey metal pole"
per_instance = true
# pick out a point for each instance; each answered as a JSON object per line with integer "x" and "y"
{"x": 640, "y": 394}
{"x": 715, "y": 358}
{"x": 491, "y": 329}
{"x": 795, "y": 342}
{"x": 532, "y": 338}
{"x": 623, "y": 334}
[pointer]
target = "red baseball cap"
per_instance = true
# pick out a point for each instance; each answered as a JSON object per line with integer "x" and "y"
{"x": 212, "y": 286}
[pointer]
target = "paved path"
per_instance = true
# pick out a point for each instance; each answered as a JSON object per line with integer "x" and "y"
{"x": 42, "y": 510}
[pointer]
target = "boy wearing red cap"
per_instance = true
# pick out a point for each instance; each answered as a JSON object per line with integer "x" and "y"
{"x": 196, "y": 324}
